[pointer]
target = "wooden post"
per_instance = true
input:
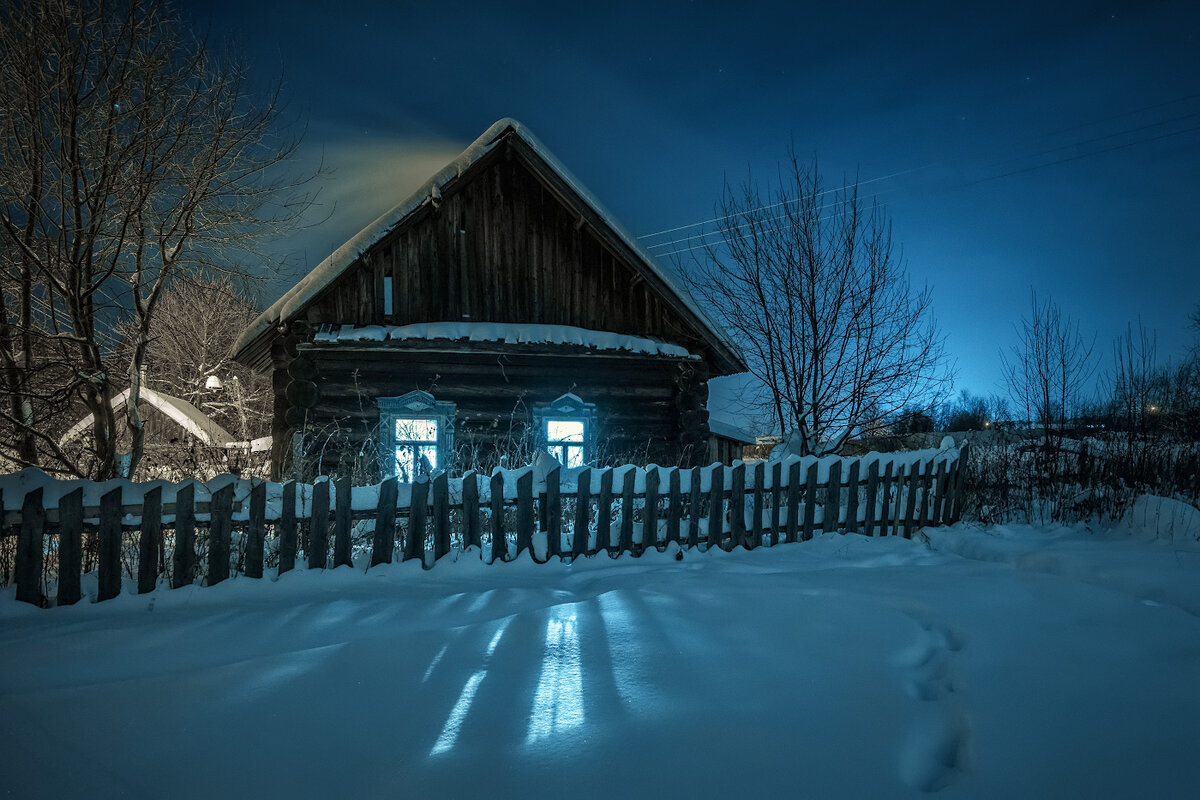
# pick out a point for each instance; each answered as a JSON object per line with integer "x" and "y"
{"x": 149, "y": 540}
{"x": 29, "y": 549}
{"x": 898, "y": 511}
{"x": 694, "y": 502}
{"x": 910, "y": 506}
{"x": 385, "y": 523}
{"x": 885, "y": 504}
{"x": 810, "y": 503}
{"x": 960, "y": 482}
{"x": 776, "y": 499}
{"x": 418, "y": 511}
{"x": 70, "y": 547}
{"x": 499, "y": 534}
{"x": 470, "y": 510}
{"x": 852, "y": 498}
{"x": 288, "y": 528}
{"x": 674, "y": 505}
{"x": 441, "y": 515}
{"x": 625, "y": 545}
{"x": 342, "y": 523}
{"x": 737, "y": 506}
{"x": 108, "y": 569}
{"x": 583, "y": 507}
{"x": 220, "y": 528}
{"x": 926, "y": 485}
{"x": 604, "y": 511}
{"x": 872, "y": 499}
{"x": 318, "y": 528}
{"x": 756, "y": 527}
{"x": 833, "y": 499}
{"x": 552, "y": 503}
{"x": 183, "y": 558}
{"x": 525, "y": 512}
{"x": 256, "y": 530}
{"x": 939, "y": 494}
{"x": 650, "y": 512}
{"x": 793, "y": 502}
{"x": 716, "y": 505}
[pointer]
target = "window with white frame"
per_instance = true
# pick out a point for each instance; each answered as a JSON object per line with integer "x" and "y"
{"x": 417, "y": 435}
{"x": 566, "y": 428}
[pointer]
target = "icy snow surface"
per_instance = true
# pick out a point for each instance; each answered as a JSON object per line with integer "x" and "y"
{"x": 998, "y": 663}
{"x": 502, "y": 332}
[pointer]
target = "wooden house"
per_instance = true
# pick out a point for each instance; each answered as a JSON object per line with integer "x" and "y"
{"x": 498, "y": 312}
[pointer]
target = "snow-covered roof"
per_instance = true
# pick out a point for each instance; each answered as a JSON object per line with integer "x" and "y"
{"x": 729, "y": 430}
{"x": 513, "y": 333}
{"x": 186, "y": 415}
{"x": 296, "y": 298}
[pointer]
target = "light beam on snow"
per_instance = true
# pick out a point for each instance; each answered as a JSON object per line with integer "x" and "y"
{"x": 458, "y": 714}
{"x": 558, "y": 701}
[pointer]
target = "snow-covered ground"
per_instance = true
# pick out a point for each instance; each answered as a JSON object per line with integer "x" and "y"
{"x": 1003, "y": 662}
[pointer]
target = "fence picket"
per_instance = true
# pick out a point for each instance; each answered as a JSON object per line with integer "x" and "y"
{"x": 776, "y": 497}
{"x": 871, "y": 498}
{"x": 810, "y": 504}
{"x": 220, "y": 528}
{"x": 183, "y": 558}
{"x": 341, "y": 523}
{"x": 910, "y": 506}
{"x": 901, "y": 496}
{"x": 525, "y": 512}
{"x": 70, "y": 546}
{"x": 583, "y": 505}
{"x": 737, "y": 506}
{"x": 256, "y": 530}
{"x": 939, "y": 493}
{"x": 885, "y": 505}
{"x": 650, "y": 511}
{"x": 441, "y": 515}
{"x": 499, "y": 535}
{"x": 418, "y": 508}
{"x": 604, "y": 512}
{"x": 926, "y": 484}
{"x": 793, "y": 502}
{"x": 852, "y": 498}
{"x": 470, "y": 511}
{"x": 384, "y": 540}
{"x": 318, "y": 527}
{"x": 674, "y": 505}
{"x": 756, "y": 528}
{"x": 108, "y": 568}
{"x": 29, "y": 549}
{"x": 287, "y": 529}
{"x": 553, "y": 505}
{"x": 625, "y": 544}
{"x": 694, "y": 502}
{"x": 149, "y": 540}
{"x": 833, "y": 499}
{"x": 716, "y": 505}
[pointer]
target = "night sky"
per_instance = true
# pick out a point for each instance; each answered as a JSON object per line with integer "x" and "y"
{"x": 1015, "y": 146}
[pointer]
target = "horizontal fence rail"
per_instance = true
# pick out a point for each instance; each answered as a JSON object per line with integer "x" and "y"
{"x": 185, "y": 532}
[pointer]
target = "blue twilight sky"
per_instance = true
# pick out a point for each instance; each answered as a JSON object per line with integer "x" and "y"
{"x": 1015, "y": 146}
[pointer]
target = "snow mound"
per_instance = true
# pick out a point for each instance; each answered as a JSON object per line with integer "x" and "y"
{"x": 1152, "y": 517}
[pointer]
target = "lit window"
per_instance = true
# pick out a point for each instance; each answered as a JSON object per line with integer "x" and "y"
{"x": 565, "y": 441}
{"x": 418, "y": 435}
{"x": 416, "y": 447}
{"x": 566, "y": 428}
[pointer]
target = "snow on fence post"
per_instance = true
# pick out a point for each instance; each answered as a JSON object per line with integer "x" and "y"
{"x": 552, "y": 503}
{"x": 70, "y": 547}
{"x": 674, "y": 506}
{"x": 287, "y": 529}
{"x": 220, "y": 528}
{"x": 793, "y": 502}
{"x": 499, "y": 535}
{"x": 418, "y": 512}
{"x": 625, "y": 543}
{"x": 604, "y": 511}
{"x": 183, "y": 559}
{"x": 852, "y": 498}
{"x": 810, "y": 504}
{"x": 385, "y": 523}
{"x": 737, "y": 506}
{"x": 871, "y": 498}
{"x": 29, "y": 549}
{"x": 256, "y": 530}
{"x": 833, "y": 499}
{"x": 342, "y": 523}
{"x": 318, "y": 526}
{"x": 583, "y": 506}
{"x": 441, "y": 515}
{"x": 650, "y": 511}
{"x": 470, "y": 510}
{"x": 716, "y": 503}
{"x": 149, "y": 540}
{"x": 108, "y": 570}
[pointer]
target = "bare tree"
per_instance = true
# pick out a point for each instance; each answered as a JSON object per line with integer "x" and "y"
{"x": 1047, "y": 370}
{"x": 130, "y": 157}
{"x": 810, "y": 284}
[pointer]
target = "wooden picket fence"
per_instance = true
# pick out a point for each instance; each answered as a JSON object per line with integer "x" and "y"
{"x": 613, "y": 510}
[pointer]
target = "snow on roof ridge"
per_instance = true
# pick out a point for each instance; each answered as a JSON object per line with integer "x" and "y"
{"x": 345, "y": 255}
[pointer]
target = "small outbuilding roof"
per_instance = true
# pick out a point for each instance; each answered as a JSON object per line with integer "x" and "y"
{"x": 306, "y": 290}
{"x": 183, "y": 413}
